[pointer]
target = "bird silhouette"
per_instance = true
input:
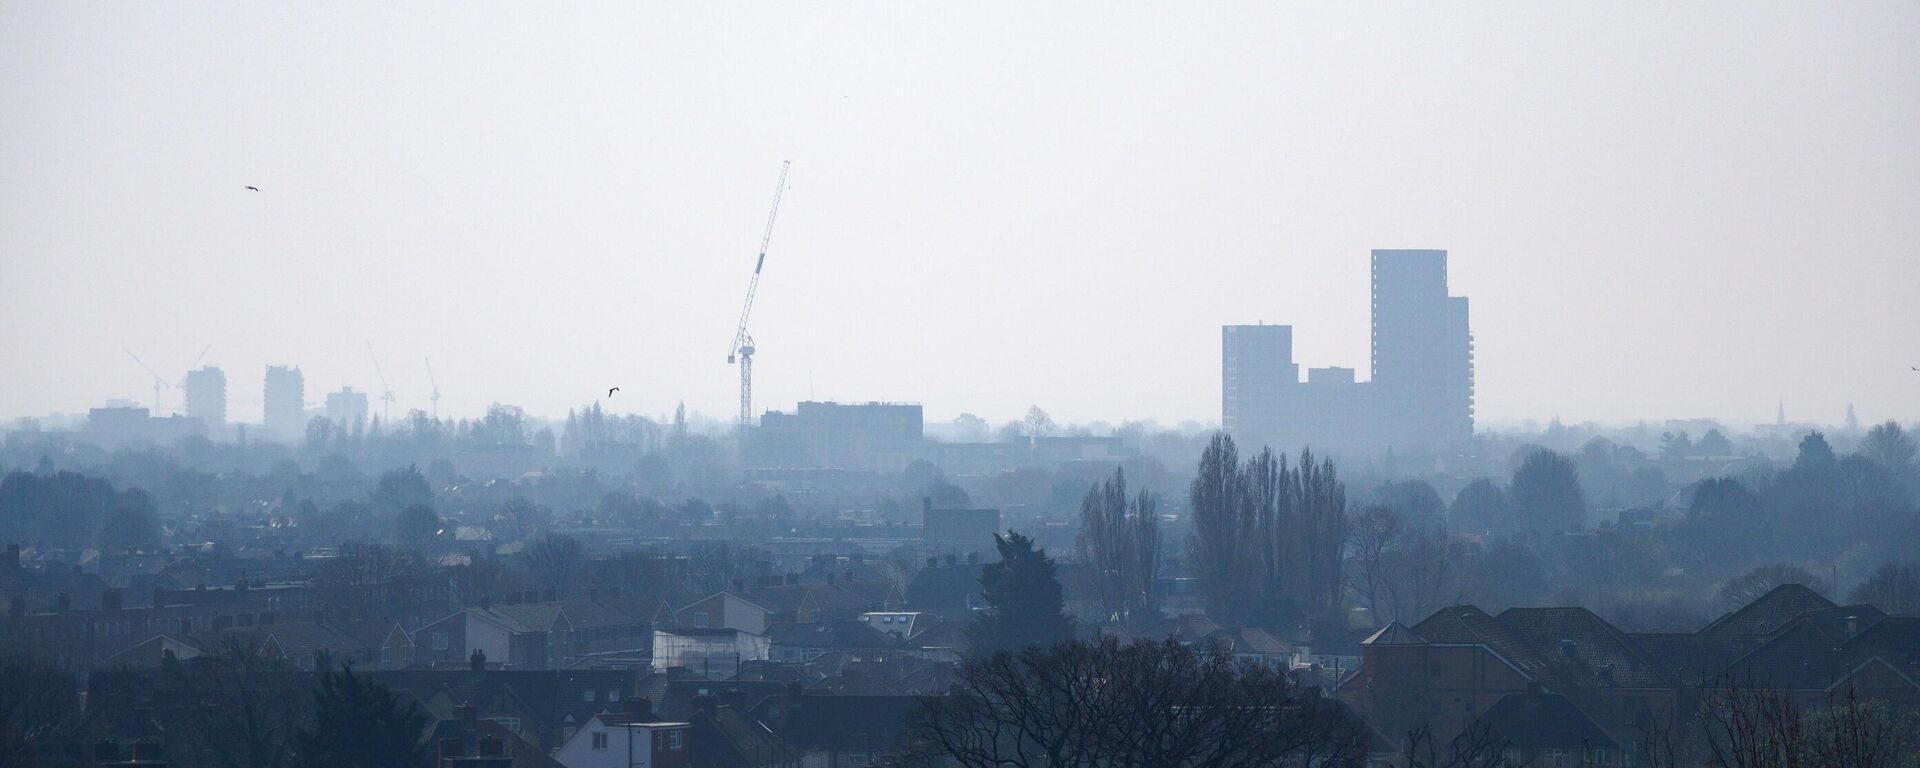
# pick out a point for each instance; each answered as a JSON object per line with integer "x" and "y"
{"x": 254, "y": 188}
{"x": 611, "y": 391}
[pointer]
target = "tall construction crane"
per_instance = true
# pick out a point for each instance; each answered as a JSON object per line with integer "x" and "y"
{"x": 742, "y": 350}
{"x": 386, "y": 392}
{"x": 436, "y": 388}
{"x": 159, "y": 384}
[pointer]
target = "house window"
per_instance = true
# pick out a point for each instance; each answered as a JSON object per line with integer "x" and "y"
{"x": 699, "y": 618}
{"x": 439, "y": 641}
{"x": 673, "y": 740}
{"x": 600, "y": 740}
{"x": 613, "y": 695}
{"x": 857, "y": 759}
{"x": 586, "y": 695}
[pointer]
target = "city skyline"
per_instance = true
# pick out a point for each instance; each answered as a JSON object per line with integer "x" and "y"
{"x": 981, "y": 217}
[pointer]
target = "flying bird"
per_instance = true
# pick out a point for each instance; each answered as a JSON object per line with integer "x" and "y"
{"x": 252, "y": 187}
{"x": 611, "y": 391}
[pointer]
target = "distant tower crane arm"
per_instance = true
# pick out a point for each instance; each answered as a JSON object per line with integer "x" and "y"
{"x": 741, "y": 351}
{"x": 159, "y": 384}
{"x": 741, "y": 340}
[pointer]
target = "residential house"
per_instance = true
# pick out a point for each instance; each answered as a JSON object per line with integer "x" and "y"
{"x": 628, "y": 739}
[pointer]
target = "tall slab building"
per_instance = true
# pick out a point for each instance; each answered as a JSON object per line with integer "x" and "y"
{"x": 285, "y": 405}
{"x": 1258, "y": 380}
{"x": 206, "y": 395}
{"x": 1422, "y": 348}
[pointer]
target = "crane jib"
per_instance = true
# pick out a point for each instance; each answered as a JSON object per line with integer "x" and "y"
{"x": 760, "y": 263}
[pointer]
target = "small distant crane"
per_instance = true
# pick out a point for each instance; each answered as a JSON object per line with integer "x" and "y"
{"x": 742, "y": 349}
{"x": 436, "y": 388}
{"x": 159, "y": 384}
{"x": 386, "y": 392}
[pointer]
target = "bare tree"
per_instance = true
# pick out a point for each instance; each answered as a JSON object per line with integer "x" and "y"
{"x": 1375, "y": 531}
{"x": 351, "y": 582}
{"x": 1475, "y": 746}
{"x": 1120, "y": 540}
{"x": 1142, "y": 704}
{"x": 556, "y": 560}
{"x": 234, "y": 708}
{"x": 40, "y": 715}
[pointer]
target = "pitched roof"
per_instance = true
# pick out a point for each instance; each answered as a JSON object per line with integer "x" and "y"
{"x": 523, "y": 753}
{"x": 1844, "y": 621}
{"x": 1770, "y": 612}
{"x": 943, "y": 634}
{"x": 1693, "y": 658}
{"x": 834, "y": 633}
{"x": 583, "y": 614}
{"x": 1801, "y": 656}
{"x": 947, "y": 589}
{"x": 725, "y": 738}
{"x": 1894, "y": 638}
{"x": 1469, "y": 624}
{"x": 525, "y": 617}
{"x": 1394, "y": 633}
{"x": 299, "y": 638}
{"x": 1545, "y": 721}
{"x": 852, "y": 722}
{"x": 1584, "y": 650}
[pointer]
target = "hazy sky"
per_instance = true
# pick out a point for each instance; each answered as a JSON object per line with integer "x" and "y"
{"x": 1658, "y": 210}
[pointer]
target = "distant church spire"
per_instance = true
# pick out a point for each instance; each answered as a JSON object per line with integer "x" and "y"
{"x": 1780, "y": 416}
{"x": 1853, "y": 422}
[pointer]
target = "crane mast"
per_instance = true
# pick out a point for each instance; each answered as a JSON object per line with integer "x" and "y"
{"x": 742, "y": 350}
{"x": 386, "y": 392}
{"x": 436, "y": 388}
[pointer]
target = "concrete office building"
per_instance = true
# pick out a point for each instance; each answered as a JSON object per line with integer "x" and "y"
{"x": 285, "y": 402}
{"x": 874, "y": 437}
{"x": 206, "y": 395}
{"x": 1420, "y": 398}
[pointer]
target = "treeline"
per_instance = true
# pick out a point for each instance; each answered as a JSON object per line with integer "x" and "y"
{"x": 237, "y": 706}
{"x": 68, "y": 510}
